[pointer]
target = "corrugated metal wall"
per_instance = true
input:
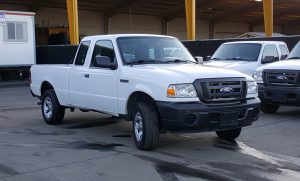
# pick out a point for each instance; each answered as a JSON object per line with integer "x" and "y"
{"x": 92, "y": 23}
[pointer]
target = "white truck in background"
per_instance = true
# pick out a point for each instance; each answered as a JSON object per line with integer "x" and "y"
{"x": 279, "y": 82}
{"x": 246, "y": 56}
{"x": 151, "y": 80}
{"x": 17, "y": 43}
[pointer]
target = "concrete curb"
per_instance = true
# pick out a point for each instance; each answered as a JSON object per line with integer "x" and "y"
{"x": 14, "y": 84}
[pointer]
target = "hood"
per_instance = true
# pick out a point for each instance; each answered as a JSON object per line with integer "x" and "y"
{"x": 284, "y": 65}
{"x": 241, "y": 66}
{"x": 181, "y": 73}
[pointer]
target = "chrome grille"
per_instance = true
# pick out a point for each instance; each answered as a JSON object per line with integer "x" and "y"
{"x": 221, "y": 90}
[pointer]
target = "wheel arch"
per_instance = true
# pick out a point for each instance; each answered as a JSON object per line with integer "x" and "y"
{"x": 46, "y": 86}
{"x": 136, "y": 97}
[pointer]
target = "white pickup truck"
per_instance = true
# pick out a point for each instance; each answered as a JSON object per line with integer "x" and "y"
{"x": 150, "y": 80}
{"x": 279, "y": 82}
{"x": 246, "y": 56}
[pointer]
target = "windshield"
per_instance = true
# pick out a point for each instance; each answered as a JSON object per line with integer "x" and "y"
{"x": 238, "y": 52}
{"x": 295, "y": 54}
{"x": 142, "y": 50}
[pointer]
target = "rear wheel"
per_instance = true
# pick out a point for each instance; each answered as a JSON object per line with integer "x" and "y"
{"x": 269, "y": 108}
{"x": 53, "y": 112}
{"x": 229, "y": 135}
{"x": 145, "y": 126}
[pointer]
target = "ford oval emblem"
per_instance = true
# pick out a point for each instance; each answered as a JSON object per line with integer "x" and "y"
{"x": 281, "y": 77}
{"x": 226, "y": 90}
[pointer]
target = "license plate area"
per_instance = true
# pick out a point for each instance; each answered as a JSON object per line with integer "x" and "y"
{"x": 229, "y": 119}
{"x": 281, "y": 97}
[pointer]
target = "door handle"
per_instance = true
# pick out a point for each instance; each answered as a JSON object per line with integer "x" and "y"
{"x": 86, "y": 75}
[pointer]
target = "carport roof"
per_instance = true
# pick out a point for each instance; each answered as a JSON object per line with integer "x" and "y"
{"x": 216, "y": 11}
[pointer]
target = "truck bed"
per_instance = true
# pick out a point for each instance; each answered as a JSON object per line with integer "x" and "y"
{"x": 57, "y": 75}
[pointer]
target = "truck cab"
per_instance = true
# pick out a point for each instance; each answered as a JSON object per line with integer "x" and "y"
{"x": 246, "y": 56}
{"x": 151, "y": 80}
{"x": 279, "y": 82}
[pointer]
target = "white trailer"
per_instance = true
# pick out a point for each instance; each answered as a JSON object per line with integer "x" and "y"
{"x": 17, "y": 42}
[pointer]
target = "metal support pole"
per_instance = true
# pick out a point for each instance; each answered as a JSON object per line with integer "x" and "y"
{"x": 190, "y": 9}
{"x": 105, "y": 24}
{"x": 72, "y": 8}
{"x": 211, "y": 30}
{"x": 164, "y": 26}
{"x": 268, "y": 16}
{"x": 251, "y": 27}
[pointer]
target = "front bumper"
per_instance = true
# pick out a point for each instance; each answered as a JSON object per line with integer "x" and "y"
{"x": 198, "y": 117}
{"x": 288, "y": 96}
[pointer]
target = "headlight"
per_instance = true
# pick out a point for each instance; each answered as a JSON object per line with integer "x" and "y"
{"x": 252, "y": 89}
{"x": 258, "y": 76}
{"x": 181, "y": 91}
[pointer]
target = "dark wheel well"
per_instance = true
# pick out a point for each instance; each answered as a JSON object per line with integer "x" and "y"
{"x": 45, "y": 86}
{"x": 136, "y": 97}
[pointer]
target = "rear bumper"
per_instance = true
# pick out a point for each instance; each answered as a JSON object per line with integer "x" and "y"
{"x": 198, "y": 117}
{"x": 288, "y": 96}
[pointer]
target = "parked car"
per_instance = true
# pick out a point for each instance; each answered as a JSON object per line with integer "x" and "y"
{"x": 246, "y": 56}
{"x": 279, "y": 82}
{"x": 150, "y": 80}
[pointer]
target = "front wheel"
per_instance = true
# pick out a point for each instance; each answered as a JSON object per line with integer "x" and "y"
{"x": 53, "y": 112}
{"x": 229, "y": 135}
{"x": 269, "y": 108}
{"x": 145, "y": 126}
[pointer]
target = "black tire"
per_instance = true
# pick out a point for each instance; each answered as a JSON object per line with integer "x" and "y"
{"x": 58, "y": 111}
{"x": 150, "y": 126}
{"x": 269, "y": 108}
{"x": 229, "y": 135}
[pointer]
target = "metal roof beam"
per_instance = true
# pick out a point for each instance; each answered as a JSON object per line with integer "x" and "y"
{"x": 36, "y": 5}
{"x": 243, "y": 10}
{"x": 277, "y": 16}
{"x": 173, "y": 15}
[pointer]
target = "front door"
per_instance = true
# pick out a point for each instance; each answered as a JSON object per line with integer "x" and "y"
{"x": 103, "y": 82}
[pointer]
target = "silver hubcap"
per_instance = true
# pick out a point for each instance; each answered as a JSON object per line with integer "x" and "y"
{"x": 48, "y": 107}
{"x": 138, "y": 126}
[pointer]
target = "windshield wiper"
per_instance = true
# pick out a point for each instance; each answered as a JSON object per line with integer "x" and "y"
{"x": 138, "y": 62}
{"x": 215, "y": 58}
{"x": 238, "y": 58}
{"x": 180, "y": 60}
{"x": 292, "y": 58}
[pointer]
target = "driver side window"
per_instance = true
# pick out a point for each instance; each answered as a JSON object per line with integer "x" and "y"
{"x": 103, "y": 48}
{"x": 270, "y": 51}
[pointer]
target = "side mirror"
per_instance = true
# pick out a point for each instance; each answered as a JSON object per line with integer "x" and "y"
{"x": 208, "y": 58}
{"x": 283, "y": 57}
{"x": 104, "y": 62}
{"x": 199, "y": 60}
{"x": 269, "y": 59}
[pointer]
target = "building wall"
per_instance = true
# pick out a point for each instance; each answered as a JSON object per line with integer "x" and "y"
{"x": 230, "y": 29}
{"x": 293, "y": 29}
{"x": 124, "y": 23}
{"x": 177, "y": 28}
{"x": 261, "y": 28}
{"x": 91, "y": 23}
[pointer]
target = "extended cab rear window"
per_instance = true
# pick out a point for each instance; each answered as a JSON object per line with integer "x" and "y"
{"x": 82, "y": 52}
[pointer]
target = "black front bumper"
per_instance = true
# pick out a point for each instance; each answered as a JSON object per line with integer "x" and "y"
{"x": 198, "y": 117}
{"x": 288, "y": 96}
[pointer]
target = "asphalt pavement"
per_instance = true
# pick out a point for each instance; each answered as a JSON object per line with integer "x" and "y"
{"x": 93, "y": 146}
